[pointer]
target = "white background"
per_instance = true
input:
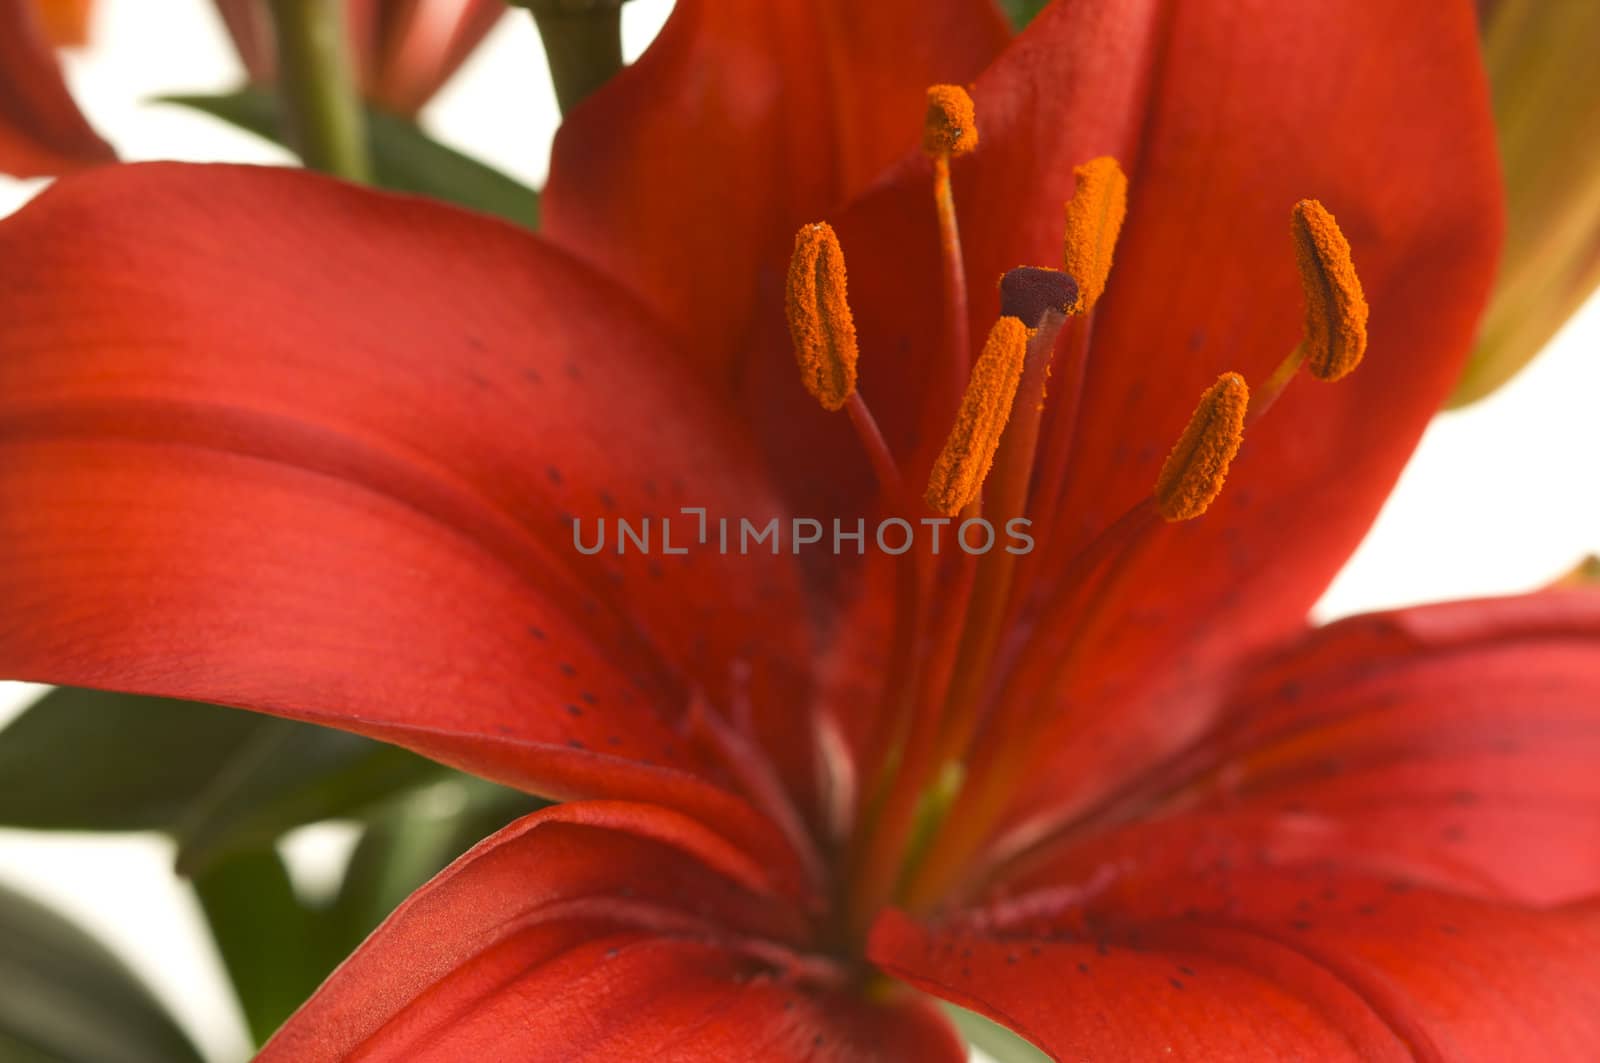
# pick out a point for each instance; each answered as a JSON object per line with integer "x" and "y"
{"x": 1500, "y": 497}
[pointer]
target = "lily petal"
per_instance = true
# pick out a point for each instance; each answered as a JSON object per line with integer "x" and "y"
{"x": 687, "y": 175}
{"x": 1224, "y": 119}
{"x": 1461, "y": 735}
{"x": 1232, "y": 957}
{"x": 407, "y": 51}
{"x": 277, "y": 442}
{"x": 1470, "y": 728}
{"x": 42, "y": 132}
{"x": 599, "y": 931}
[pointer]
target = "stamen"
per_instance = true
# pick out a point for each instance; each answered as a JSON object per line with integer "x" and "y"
{"x": 1336, "y": 310}
{"x": 1193, "y": 474}
{"x": 820, "y": 323}
{"x": 951, "y": 127}
{"x": 968, "y": 453}
{"x": 1094, "y": 220}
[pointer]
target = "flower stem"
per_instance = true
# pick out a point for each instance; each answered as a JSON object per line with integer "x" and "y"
{"x": 322, "y": 112}
{"x": 582, "y": 44}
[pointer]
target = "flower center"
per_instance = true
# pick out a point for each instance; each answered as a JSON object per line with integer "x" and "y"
{"x": 980, "y": 641}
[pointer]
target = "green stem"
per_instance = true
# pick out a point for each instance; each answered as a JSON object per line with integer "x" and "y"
{"x": 582, "y": 44}
{"x": 322, "y": 112}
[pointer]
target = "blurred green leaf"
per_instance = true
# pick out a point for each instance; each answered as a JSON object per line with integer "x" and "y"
{"x": 1021, "y": 12}
{"x": 267, "y": 938}
{"x": 66, "y": 999}
{"x": 999, "y": 1043}
{"x": 93, "y": 760}
{"x": 219, "y": 779}
{"x": 417, "y": 840}
{"x": 287, "y": 775}
{"x": 14, "y": 1051}
{"x": 404, "y": 158}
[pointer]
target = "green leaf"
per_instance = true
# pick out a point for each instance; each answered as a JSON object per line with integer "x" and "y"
{"x": 267, "y": 938}
{"x": 290, "y": 774}
{"x": 404, "y": 158}
{"x": 65, "y": 998}
{"x": 417, "y": 840}
{"x": 219, "y": 779}
{"x": 92, "y": 760}
{"x": 1021, "y": 12}
{"x": 997, "y": 1042}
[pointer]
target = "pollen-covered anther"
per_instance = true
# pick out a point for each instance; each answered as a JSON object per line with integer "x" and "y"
{"x": 1193, "y": 474}
{"x": 1094, "y": 221}
{"x": 1027, "y": 292}
{"x": 951, "y": 127}
{"x": 968, "y": 453}
{"x": 1336, "y": 309}
{"x": 820, "y": 323}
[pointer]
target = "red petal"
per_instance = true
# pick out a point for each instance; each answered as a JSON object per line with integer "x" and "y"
{"x": 247, "y": 24}
{"x": 1471, "y": 729}
{"x": 278, "y": 442}
{"x": 1225, "y": 114}
{"x": 597, "y": 932}
{"x": 1460, "y": 735}
{"x": 424, "y": 42}
{"x": 1075, "y": 1003}
{"x": 1220, "y": 961}
{"x": 687, "y": 175}
{"x": 42, "y": 131}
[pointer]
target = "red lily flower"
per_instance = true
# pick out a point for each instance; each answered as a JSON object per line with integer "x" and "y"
{"x": 281, "y": 443}
{"x": 404, "y": 52}
{"x": 42, "y": 131}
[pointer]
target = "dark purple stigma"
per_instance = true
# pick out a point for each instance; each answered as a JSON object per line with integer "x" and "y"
{"x": 1028, "y": 291}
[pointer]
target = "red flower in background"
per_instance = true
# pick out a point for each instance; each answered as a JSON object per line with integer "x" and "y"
{"x": 286, "y": 444}
{"x": 404, "y": 52}
{"x": 41, "y": 129}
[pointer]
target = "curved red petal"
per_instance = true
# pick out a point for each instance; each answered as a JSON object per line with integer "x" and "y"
{"x": 1225, "y": 115}
{"x": 42, "y": 132}
{"x": 1461, "y": 733}
{"x": 596, "y": 932}
{"x": 1471, "y": 728}
{"x": 1408, "y": 164}
{"x": 687, "y": 175}
{"x": 1075, "y": 1002}
{"x": 278, "y": 442}
{"x": 422, "y": 43}
{"x": 251, "y": 33}
{"x": 1178, "y": 950}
